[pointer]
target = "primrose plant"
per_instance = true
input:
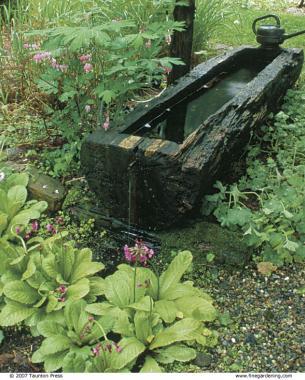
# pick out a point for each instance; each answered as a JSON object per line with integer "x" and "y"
{"x": 38, "y": 284}
{"x": 144, "y": 321}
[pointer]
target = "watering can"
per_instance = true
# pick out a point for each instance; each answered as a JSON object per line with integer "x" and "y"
{"x": 271, "y": 36}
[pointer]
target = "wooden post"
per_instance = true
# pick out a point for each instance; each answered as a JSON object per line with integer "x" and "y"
{"x": 182, "y": 42}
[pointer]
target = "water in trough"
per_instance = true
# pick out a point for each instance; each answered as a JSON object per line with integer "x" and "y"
{"x": 189, "y": 113}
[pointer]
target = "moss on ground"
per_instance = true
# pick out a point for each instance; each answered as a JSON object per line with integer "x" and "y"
{"x": 203, "y": 238}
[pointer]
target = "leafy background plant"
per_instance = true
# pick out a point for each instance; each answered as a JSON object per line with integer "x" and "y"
{"x": 268, "y": 202}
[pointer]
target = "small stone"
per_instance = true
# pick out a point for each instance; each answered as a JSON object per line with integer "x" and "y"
{"x": 203, "y": 359}
{"x": 250, "y": 339}
{"x": 46, "y": 188}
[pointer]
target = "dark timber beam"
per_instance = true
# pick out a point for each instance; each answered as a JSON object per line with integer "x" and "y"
{"x": 182, "y": 42}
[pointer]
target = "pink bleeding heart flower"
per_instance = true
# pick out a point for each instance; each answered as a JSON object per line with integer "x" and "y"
{"x": 88, "y": 68}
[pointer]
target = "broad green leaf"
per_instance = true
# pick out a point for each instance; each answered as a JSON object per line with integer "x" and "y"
{"x": 143, "y": 326}
{"x": 177, "y": 352}
{"x": 40, "y": 206}
{"x": 49, "y": 265}
{"x": 3, "y": 222}
{"x": 174, "y": 272}
{"x": 167, "y": 310}
{"x": 97, "y": 286}
{"x": 30, "y": 270}
{"x": 74, "y": 363}
{"x": 145, "y": 304}
{"x": 183, "y": 330}
{"x": 54, "y": 344}
{"x": 131, "y": 349}
{"x": 21, "y": 292}
{"x": 83, "y": 265}
{"x": 13, "y": 313}
{"x": 99, "y": 308}
{"x": 54, "y": 362}
{"x": 53, "y": 304}
{"x": 78, "y": 290}
{"x": 197, "y": 308}
{"x": 185, "y": 289}
{"x": 148, "y": 280}
{"x": 122, "y": 325}
{"x": 36, "y": 280}
{"x": 119, "y": 289}
{"x": 150, "y": 366}
{"x": 3, "y": 201}
{"x": 16, "y": 197}
{"x": 48, "y": 328}
{"x": 86, "y": 269}
{"x": 75, "y": 315}
{"x": 17, "y": 179}
{"x": 40, "y": 302}
{"x": 66, "y": 258}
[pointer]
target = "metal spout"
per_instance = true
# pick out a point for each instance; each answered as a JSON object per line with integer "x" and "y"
{"x": 286, "y": 36}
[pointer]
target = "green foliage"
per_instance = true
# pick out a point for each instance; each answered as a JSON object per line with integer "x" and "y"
{"x": 210, "y": 16}
{"x": 15, "y": 211}
{"x": 39, "y": 282}
{"x": 268, "y": 203}
{"x": 73, "y": 337}
{"x": 157, "y": 325}
{"x": 93, "y": 70}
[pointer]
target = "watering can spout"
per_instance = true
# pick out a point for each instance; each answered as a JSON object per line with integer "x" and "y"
{"x": 286, "y": 36}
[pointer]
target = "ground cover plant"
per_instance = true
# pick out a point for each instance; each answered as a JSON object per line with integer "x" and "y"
{"x": 72, "y": 298}
{"x": 268, "y": 203}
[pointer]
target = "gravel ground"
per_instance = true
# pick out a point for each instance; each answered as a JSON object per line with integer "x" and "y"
{"x": 264, "y": 318}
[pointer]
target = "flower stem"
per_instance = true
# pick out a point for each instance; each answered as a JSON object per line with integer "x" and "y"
{"x": 101, "y": 328}
{"x": 134, "y": 283}
{"x": 158, "y": 278}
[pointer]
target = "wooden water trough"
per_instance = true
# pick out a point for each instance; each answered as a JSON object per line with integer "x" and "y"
{"x": 154, "y": 168}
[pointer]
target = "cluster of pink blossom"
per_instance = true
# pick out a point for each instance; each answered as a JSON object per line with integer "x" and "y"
{"x": 61, "y": 291}
{"x": 139, "y": 253}
{"x": 85, "y": 58}
{"x": 43, "y": 56}
{"x": 107, "y": 347}
{"x": 88, "y": 68}
{"x": 57, "y": 66}
{"x": 47, "y": 56}
{"x": 106, "y": 122}
{"x": 51, "y": 228}
{"x": 31, "y": 46}
{"x": 29, "y": 234}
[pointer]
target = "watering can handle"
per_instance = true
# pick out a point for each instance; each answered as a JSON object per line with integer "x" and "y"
{"x": 278, "y": 22}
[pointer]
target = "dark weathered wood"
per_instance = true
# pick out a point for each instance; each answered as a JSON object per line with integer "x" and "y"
{"x": 171, "y": 178}
{"x": 182, "y": 42}
{"x": 301, "y": 4}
